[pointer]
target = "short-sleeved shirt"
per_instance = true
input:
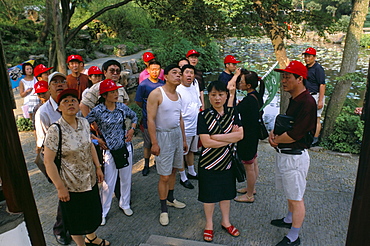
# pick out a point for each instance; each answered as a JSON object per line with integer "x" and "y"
{"x": 79, "y": 83}
{"x": 78, "y": 171}
{"x": 111, "y": 123}
{"x": 145, "y": 74}
{"x": 210, "y": 122}
{"x": 315, "y": 78}
{"x": 142, "y": 94}
{"x": 303, "y": 109}
{"x": 225, "y": 77}
{"x": 91, "y": 97}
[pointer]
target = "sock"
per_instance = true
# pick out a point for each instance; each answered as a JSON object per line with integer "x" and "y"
{"x": 164, "y": 206}
{"x": 293, "y": 234}
{"x": 288, "y": 218}
{"x": 146, "y": 162}
{"x": 191, "y": 170}
{"x": 170, "y": 196}
{"x": 315, "y": 140}
{"x": 183, "y": 176}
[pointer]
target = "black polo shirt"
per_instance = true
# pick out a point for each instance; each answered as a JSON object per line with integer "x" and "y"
{"x": 316, "y": 77}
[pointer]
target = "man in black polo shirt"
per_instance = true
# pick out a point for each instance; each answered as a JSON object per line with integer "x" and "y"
{"x": 230, "y": 67}
{"x": 316, "y": 85}
{"x": 292, "y": 159}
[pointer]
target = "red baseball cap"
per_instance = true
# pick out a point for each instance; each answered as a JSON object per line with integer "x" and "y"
{"x": 40, "y": 69}
{"x": 192, "y": 53}
{"x": 108, "y": 85}
{"x": 41, "y": 86}
{"x": 94, "y": 70}
{"x": 148, "y": 56}
{"x": 65, "y": 93}
{"x": 310, "y": 51}
{"x": 75, "y": 57}
{"x": 295, "y": 67}
{"x": 230, "y": 59}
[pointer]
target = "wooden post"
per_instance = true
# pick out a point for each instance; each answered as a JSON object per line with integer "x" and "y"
{"x": 13, "y": 171}
{"x": 358, "y": 229}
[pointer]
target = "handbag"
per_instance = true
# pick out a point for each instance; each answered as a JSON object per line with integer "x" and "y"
{"x": 283, "y": 123}
{"x": 237, "y": 166}
{"x": 58, "y": 157}
{"x": 120, "y": 157}
{"x": 262, "y": 131}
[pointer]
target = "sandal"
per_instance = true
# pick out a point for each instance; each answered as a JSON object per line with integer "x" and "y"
{"x": 208, "y": 235}
{"x": 244, "y": 198}
{"x": 244, "y": 191}
{"x": 231, "y": 230}
{"x": 90, "y": 242}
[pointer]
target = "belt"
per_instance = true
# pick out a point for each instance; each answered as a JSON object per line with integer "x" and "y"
{"x": 313, "y": 93}
{"x": 289, "y": 151}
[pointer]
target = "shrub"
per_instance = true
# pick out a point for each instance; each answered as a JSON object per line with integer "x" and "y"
{"x": 365, "y": 40}
{"x": 139, "y": 115}
{"x": 24, "y": 124}
{"x": 347, "y": 135}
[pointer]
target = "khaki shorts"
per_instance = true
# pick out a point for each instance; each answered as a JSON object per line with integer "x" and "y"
{"x": 319, "y": 111}
{"x": 192, "y": 143}
{"x": 171, "y": 150}
{"x": 290, "y": 174}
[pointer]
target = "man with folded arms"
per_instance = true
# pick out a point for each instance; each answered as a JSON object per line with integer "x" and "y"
{"x": 292, "y": 159}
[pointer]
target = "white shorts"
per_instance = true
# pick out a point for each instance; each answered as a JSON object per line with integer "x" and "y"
{"x": 290, "y": 174}
{"x": 192, "y": 143}
{"x": 171, "y": 150}
{"x": 319, "y": 111}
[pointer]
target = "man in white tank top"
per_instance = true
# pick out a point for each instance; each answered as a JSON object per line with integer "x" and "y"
{"x": 166, "y": 130}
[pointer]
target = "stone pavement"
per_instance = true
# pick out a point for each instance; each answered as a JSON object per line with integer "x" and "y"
{"x": 328, "y": 199}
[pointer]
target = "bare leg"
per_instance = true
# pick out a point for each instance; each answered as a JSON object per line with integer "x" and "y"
{"x": 225, "y": 212}
{"x": 79, "y": 240}
{"x": 208, "y": 211}
{"x": 163, "y": 186}
{"x": 172, "y": 180}
{"x": 318, "y": 128}
{"x": 97, "y": 240}
{"x": 299, "y": 212}
{"x": 147, "y": 153}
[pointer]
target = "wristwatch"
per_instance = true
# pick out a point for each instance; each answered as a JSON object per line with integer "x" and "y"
{"x": 133, "y": 128}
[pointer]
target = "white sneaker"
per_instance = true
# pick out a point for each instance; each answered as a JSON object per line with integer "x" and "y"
{"x": 176, "y": 204}
{"x": 127, "y": 211}
{"x": 103, "y": 222}
{"x": 163, "y": 219}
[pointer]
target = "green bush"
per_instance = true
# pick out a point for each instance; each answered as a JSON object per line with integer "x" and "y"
{"x": 365, "y": 40}
{"x": 139, "y": 114}
{"x": 347, "y": 135}
{"x": 24, "y": 124}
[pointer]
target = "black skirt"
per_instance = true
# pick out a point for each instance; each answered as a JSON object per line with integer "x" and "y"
{"x": 216, "y": 186}
{"x": 83, "y": 212}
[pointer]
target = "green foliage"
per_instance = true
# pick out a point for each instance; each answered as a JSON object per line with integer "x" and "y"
{"x": 365, "y": 40}
{"x": 340, "y": 25}
{"x": 347, "y": 135}
{"x": 139, "y": 115}
{"x": 24, "y": 124}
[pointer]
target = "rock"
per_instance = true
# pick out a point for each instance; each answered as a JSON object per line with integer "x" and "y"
{"x": 126, "y": 66}
{"x": 121, "y": 50}
{"x": 38, "y": 57}
{"x": 84, "y": 37}
{"x": 108, "y": 48}
{"x": 132, "y": 82}
{"x": 134, "y": 67}
{"x": 99, "y": 54}
{"x": 100, "y": 36}
{"x": 339, "y": 39}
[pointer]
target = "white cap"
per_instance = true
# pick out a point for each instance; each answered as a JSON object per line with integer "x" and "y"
{"x": 54, "y": 74}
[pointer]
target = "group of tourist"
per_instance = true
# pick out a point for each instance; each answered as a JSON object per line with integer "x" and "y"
{"x": 90, "y": 114}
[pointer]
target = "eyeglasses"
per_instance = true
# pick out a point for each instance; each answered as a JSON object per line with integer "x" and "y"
{"x": 113, "y": 71}
{"x": 62, "y": 82}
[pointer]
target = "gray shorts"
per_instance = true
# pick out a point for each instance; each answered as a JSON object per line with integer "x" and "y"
{"x": 146, "y": 137}
{"x": 171, "y": 150}
{"x": 290, "y": 174}
{"x": 192, "y": 143}
{"x": 319, "y": 111}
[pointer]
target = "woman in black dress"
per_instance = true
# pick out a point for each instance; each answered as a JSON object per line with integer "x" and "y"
{"x": 218, "y": 128}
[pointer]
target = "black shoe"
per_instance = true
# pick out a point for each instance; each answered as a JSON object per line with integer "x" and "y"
{"x": 145, "y": 171}
{"x": 192, "y": 176}
{"x": 187, "y": 184}
{"x": 63, "y": 240}
{"x": 286, "y": 241}
{"x": 281, "y": 223}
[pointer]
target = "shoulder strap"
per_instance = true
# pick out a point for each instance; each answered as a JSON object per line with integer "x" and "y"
{"x": 58, "y": 157}
{"x": 259, "y": 108}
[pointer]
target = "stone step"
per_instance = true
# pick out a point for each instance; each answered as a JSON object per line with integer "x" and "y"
{"x": 155, "y": 240}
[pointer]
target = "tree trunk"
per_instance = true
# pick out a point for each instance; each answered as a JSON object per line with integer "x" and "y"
{"x": 59, "y": 39}
{"x": 277, "y": 34}
{"x": 349, "y": 62}
{"x": 47, "y": 24}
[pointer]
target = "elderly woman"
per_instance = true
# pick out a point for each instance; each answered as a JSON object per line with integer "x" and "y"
{"x": 76, "y": 178}
{"x": 110, "y": 116}
{"x": 218, "y": 128}
{"x": 249, "y": 110}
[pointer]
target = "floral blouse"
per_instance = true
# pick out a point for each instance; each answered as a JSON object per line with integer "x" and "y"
{"x": 77, "y": 171}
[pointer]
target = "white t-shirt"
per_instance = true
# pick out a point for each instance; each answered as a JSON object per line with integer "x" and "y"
{"x": 190, "y": 108}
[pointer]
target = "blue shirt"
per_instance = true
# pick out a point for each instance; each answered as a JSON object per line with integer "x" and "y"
{"x": 315, "y": 78}
{"x": 225, "y": 77}
{"x": 112, "y": 123}
{"x": 142, "y": 94}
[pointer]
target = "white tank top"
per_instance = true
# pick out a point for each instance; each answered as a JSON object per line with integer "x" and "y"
{"x": 28, "y": 84}
{"x": 168, "y": 114}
